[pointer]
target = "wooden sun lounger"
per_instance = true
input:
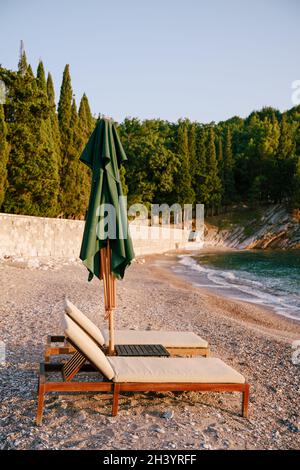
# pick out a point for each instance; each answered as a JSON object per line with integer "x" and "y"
{"x": 193, "y": 345}
{"x": 57, "y": 345}
{"x": 87, "y": 350}
{"x": 109, "y": 386}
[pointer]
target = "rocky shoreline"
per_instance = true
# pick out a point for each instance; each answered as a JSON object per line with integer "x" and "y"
{"x": 275, "y": 227}
{"x": 255, "y": 341}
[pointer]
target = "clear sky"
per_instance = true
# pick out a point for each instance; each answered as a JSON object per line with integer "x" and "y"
{"x": 205, "y": 60}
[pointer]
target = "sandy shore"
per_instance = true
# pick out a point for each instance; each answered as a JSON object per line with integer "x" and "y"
{"x": 254, "y": 340}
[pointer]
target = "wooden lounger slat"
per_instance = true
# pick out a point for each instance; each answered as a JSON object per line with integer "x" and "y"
{"x": 156, "y": 348}
{"x": 73, "y": 365}
{"x": 142, "y": 350}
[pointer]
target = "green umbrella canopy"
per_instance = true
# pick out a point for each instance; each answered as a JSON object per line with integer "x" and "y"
{"x": 104, "y": 154}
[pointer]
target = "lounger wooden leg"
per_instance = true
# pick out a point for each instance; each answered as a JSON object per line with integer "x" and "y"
{"x": 41, "y": 395}
{"x": 245, "y": 401}
{"x": 115, "y": 404}
{"x": 48, "y": 346}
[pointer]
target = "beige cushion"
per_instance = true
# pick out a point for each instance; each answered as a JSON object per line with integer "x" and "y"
{"x": 84, "y": 322}
{"x": 169, "y": 339}
{"x": 89, "y": 348}
{"x": 161, "y": 369}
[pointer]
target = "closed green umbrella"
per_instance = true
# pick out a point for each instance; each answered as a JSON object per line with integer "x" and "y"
{"x": 106, "y": 248}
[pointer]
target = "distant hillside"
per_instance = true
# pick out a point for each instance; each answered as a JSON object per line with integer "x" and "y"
{"x": 271, "y": 227}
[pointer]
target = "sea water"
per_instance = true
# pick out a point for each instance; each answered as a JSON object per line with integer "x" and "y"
{"x": 269, "y": 277}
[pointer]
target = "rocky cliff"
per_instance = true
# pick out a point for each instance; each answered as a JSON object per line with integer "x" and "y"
{"x": 274, "y": 227}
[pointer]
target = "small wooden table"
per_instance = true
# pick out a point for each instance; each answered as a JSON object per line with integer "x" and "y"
{"x": 141, "y": 350}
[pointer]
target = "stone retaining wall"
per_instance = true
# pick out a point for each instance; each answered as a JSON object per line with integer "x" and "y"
{"x": 42, "y": 237}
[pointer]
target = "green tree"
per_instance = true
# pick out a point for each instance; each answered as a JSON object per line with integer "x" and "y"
{"x": 86, "y": 120}
{"x": 220, "y": 157}
{"x": 64, "y": 112}
{"x": 22, "y": 64}
{"x": 296, "y": 186}
{"x": 253, "y": 160}
{"x": 4, "y": 152}
{"x": 65, "y": 103}
{"x": 284, "y": 166}
{"x": 123, "y": 180}
{"x": 213, "y": 186}
{"x": 183, "y": 184}
{"x": 286, "y": 146}
{"x": 151, "y": 164}
{"x": 228, "y": 170}
{"x": 192, "y": 142}
{"x": 54, "y": 119}
{"x": 85, "y": 125}
{"x": 41, "y": 77}
{"x": 49, "y": 133}
{"x": 140, "y": 189}
{"x": 74, "y": 192}
{"x": 32, "y": 167}
{"x": 199, "y": 182}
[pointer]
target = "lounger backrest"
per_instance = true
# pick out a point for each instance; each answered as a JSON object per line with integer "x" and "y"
{"x": 88, "y": 347}
{"x": 83, "y": 321}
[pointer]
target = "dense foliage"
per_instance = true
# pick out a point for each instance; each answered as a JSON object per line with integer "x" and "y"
{"x": 254, "y": 160}
{"x": 239, "y": 161}
{"x": 40, "y": 173}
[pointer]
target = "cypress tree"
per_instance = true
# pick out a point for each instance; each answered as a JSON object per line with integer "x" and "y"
{"x": 220, "y": 158}
{"x": 49, "y": 147}
{"x": 32, "y": 168}
{"x": 228, "y": 176}
{"x": 192, "y": 150}
{"x": 50, "y": 91}
{"x": 4, "y": 152}
{"x": 220, "y": 152}
{"x": 74, "y": 191}
{"x": 54, "y": 119}
{"x": 84, "y": 129}
{"x": 85, "y": 117}
{"x": 200, "y": 171}
{"x": 65, "y": 102}
{"x": 184, "y": 191}
{"x": 47, "y": 191}
{"x": 201, "y": 153}
{"x": 213, "y": 183}
{"x": 285, "y": 162}
{"x": 22, "y": 64}
{"x": 41, "y": 78}
{"x": 66, "y": 135}
{"x": 86, "y": 121}
{"x": 30, "y": 75}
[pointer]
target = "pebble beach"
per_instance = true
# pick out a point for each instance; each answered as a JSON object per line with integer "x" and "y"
{"x": 252, "y": 339}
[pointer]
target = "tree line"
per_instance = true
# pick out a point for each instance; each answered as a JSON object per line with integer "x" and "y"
{"x": 253, "y": 161}
{"x": 238, "y": 161}
{"x": 40, "y": 144}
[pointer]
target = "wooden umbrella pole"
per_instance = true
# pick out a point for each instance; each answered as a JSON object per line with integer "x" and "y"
{"x": 113, "y": 291}
{"x": 109, "y": 287}
{"x": 111, "y": 344}
{"x": 111, "y": 300}
{"x": 103, "y": 262}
